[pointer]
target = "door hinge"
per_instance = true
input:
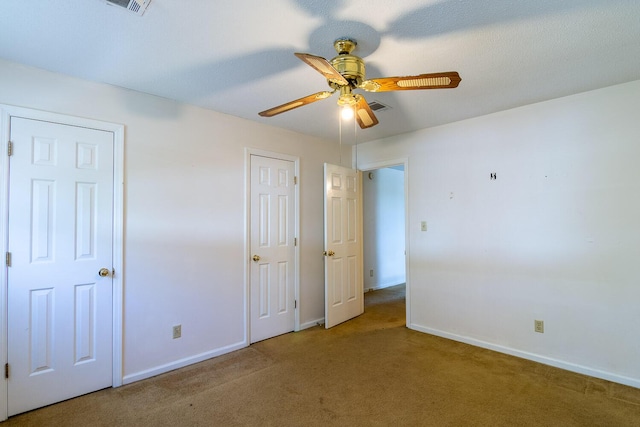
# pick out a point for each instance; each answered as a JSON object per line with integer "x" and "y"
{"x": 8, "y": 259}
{"x": 10, "y": 149}
{"x": 6, "y": 371}
{"x": 295, "y": 241}
{"x": 295, "y": 180}
{"x": 295, "y": 303}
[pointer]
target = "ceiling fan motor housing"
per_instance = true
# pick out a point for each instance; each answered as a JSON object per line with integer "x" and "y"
{"x": 351, "y": 67}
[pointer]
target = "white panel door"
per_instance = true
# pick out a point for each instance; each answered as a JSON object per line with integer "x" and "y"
{"x": 60, "y": 237}
{"x": 272, "y": 249}
{"x": 344, "y": 297}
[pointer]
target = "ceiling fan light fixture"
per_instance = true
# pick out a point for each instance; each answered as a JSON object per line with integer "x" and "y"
{"x": 346, "y": 112}
{"x": 346, "y": 100}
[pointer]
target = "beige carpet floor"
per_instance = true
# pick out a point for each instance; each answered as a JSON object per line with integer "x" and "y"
{"x": 370, "y": 371}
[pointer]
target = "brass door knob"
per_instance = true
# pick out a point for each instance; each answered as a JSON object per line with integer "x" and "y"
{"x": 330, "y": 253}
{"x": 104, "y": 272}
{"x": 256, "y": 258}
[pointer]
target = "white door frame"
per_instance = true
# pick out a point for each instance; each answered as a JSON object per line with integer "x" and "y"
{"x": 6, "y": 112}
{"x": 247, "y": 236}
{"x": 385, "y": 164}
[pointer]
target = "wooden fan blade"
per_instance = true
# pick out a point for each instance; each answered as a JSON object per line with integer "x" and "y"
{"x": 364, "y": 115}
{"x": 323, "y": 67}
{"x": 295, "y": 104}
{"x": 445, "y": 80}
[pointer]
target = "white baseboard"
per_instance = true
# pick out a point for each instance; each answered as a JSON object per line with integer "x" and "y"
{"x": 128, "y": 379}
{"x": 312, "y": 323}
{"x": 382, "y": 286}
{"x": 585, "y": 370}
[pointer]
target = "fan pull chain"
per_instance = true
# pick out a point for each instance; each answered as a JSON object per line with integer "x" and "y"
{"x": 340, "y": 138}
{"x": 355, "y": 139}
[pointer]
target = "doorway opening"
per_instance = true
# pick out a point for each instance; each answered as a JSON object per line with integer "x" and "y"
{"x": 384, "y": 230}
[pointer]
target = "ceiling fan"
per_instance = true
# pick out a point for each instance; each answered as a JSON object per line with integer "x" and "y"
{"x": 346, "y": 72}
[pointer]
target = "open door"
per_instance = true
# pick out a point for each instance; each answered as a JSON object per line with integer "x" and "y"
{"x": 344, "y": 298}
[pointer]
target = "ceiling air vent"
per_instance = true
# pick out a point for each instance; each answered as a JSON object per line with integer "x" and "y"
{"x": 378, "y": 106}
{"x": 136, "y": 6}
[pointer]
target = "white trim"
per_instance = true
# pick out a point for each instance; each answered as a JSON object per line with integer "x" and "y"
{"x": 247, "y": 236}
{"x": 118, "y": 254}
{"x": 385, "y": 164}
{"x": 580, "y": 369}
{"x": 148, "y": 373}
{"x": 8, "y": 111}
{"x": 382, "y": 286}
{"x": 4, "y": 223}
{"x": 312, "y": 323}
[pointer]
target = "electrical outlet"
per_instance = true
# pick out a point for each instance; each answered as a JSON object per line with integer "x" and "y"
{"x": 370, "y": 273}
{"x": 538, "y": 326}
{"x": 423, "y": 226}
{"x": 177, "y": 331}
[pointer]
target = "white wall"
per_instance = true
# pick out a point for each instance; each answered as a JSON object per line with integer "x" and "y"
{"x": 555, "y": 237}
{"x": 384, "y": 231}
{"x": 184, "y": 214}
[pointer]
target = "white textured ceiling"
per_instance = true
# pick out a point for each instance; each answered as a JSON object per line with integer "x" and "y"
{"x": 236, "y": 57}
